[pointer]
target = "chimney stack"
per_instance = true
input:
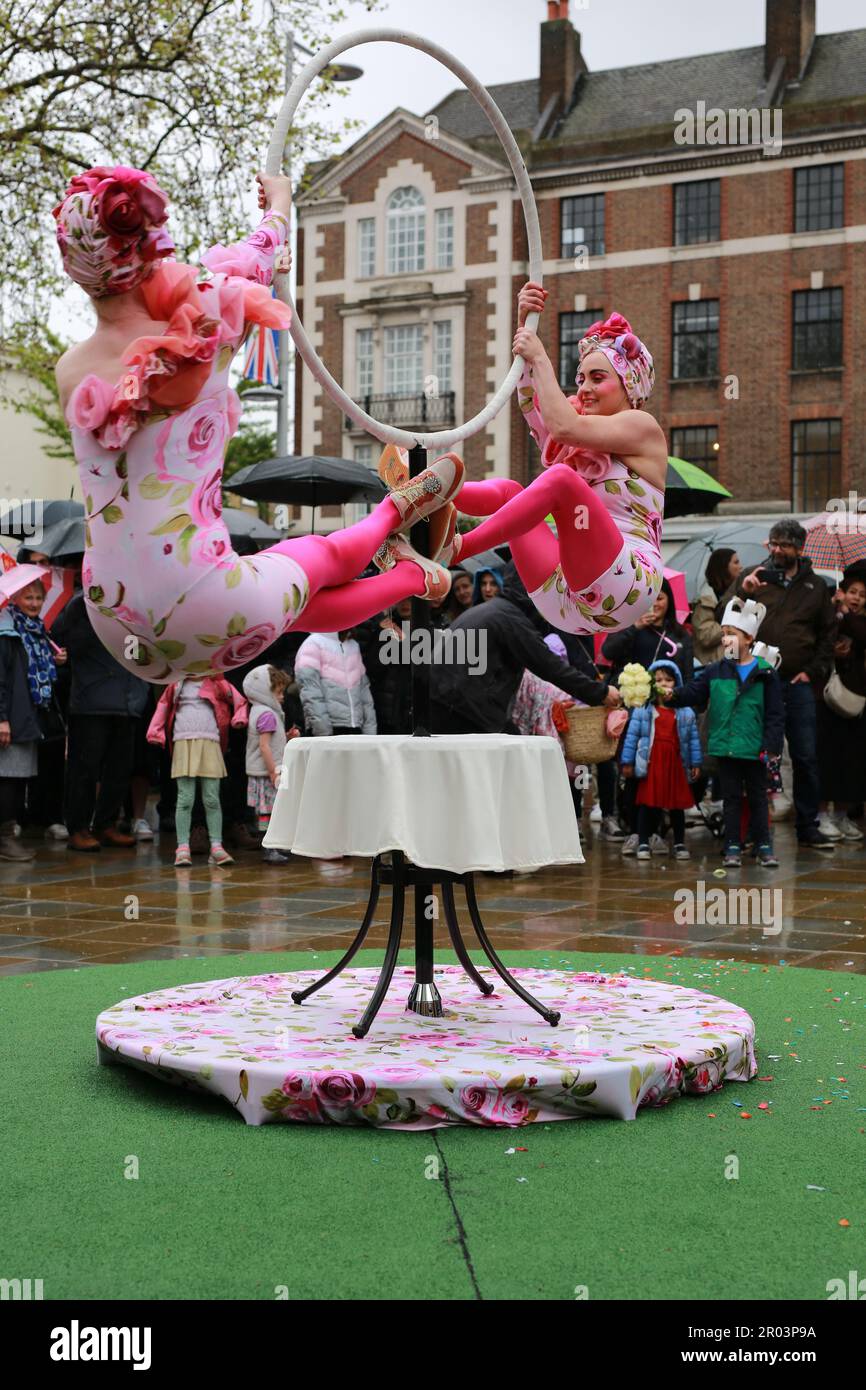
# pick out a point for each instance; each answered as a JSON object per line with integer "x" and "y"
{"x": 790, "y": 33}
{"x": 561, "y": 61}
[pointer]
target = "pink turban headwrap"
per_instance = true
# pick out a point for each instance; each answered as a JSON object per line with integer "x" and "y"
{"x": 625, "y": 352}
{"x": 110, "y": 229}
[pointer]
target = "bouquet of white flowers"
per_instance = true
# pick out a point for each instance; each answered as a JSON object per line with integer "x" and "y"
{"x": 635, "y": 685}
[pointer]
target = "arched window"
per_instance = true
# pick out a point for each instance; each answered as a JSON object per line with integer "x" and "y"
{"x": 405, "y": 226}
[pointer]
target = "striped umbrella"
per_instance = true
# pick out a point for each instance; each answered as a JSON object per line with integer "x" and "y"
{"x": 835, "y": 540}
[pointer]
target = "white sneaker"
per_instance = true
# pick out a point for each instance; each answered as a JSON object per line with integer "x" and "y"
{"x": 680, "y": 852}
{"x": 141, "y": 830}
{"x": 57, "y": 832}
{"x": 643, "y": 852}
{"x": 828, "y": 827}
{"x": 848, "y": 829}
{"x": 16, "y": 830}
{"x": 658, "y": 845}
{"x": 611, "y": 829}
{"x": 595, "y": 814}
{"x": 630, "y": 845}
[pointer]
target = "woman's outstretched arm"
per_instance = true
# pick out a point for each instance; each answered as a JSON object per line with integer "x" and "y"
{"x": 531, "y": 300}
{"x": 259, "y": 254}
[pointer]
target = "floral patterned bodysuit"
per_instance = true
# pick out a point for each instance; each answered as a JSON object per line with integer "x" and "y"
{"x": 627, "y": 588}
{"x": 163, "y": 586}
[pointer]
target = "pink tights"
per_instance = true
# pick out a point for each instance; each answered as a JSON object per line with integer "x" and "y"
{"x": 587, "y": 540}
{"x": 337, "y": 599}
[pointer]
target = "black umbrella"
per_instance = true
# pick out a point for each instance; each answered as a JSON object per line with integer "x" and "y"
{"x": 64, "y": 539}
{"x": 305, "y": 480}
{"x": 243, "y": 525}
{"x": 17, "y": 522}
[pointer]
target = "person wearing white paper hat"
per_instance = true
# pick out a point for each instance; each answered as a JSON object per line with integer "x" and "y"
{"x": 800, "y": 621}
{"x": 746, "y": 726}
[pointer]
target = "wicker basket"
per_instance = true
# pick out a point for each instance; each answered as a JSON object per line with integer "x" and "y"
{"x": 586, "y": 740}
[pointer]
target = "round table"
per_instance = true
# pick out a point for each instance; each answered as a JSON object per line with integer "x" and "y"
{"x": 440, "y": 808}
{"x": 462, "y": 802}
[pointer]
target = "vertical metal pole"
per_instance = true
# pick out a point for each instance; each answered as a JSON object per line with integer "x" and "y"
{"x": 424, "y": 997}
{"x": 421, "y": 620}
{"x": 283, "y": 336}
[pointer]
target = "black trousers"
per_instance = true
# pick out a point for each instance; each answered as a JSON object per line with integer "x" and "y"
{"x": 101, "y": 750}
{"x": 648, "y": 820}
{"x": 737, "y": 775}
{"x": 45, "y": 790}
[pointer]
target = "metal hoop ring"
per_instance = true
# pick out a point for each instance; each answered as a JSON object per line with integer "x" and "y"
{"x": 389, "y": 434}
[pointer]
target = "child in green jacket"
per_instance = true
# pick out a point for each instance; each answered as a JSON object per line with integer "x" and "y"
{"x": 746, "y": 725}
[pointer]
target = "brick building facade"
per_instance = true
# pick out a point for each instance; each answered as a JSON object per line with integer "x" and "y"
{"x": 737, "y": 250}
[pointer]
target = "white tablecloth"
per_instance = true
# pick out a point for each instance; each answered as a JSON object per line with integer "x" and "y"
{"x": 459, "y": 802}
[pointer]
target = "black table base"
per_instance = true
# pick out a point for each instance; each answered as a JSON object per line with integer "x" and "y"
{"x": 424, "y": 999}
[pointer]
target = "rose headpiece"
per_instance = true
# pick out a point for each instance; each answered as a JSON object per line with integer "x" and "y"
{"x": 625, "y": 352}
{"x": 111, "y": 229}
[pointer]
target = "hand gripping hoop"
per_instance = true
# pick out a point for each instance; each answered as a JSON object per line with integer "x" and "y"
{"x": 388, "y": 434}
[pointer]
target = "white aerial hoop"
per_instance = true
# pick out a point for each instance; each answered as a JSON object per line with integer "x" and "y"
{"x": 389, "y": 434}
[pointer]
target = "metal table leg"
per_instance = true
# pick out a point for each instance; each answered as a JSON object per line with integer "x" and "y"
{"x": 457, "y": 940}
{"x": 550, "y": 1016}
{"x": 299, "y": 995}
{"x": 398, "y": 902}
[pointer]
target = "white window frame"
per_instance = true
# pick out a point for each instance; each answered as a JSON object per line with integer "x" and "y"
{"x": 365, "y": 362}
{"x": 443, "y": 354}
{"x": 405, "y": 221}
{"x": 396, "y": 378}
{"x": 366, "y": 248}
{"x": 444, "y": 238}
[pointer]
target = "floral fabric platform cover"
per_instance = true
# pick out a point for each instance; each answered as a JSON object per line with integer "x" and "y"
{"x": 621, "y": 1044}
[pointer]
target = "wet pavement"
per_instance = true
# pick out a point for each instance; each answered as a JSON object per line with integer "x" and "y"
{"x": 65, "y": 910}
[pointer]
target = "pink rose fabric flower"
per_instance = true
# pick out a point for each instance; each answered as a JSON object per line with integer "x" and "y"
{"x": 89, "y": 403}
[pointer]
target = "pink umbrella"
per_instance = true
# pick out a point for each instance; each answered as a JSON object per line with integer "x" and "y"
{"x": 677, "y": 581}
{"x": 17, "y": 577}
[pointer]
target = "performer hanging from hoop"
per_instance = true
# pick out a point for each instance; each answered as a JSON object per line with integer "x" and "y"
{"x": 606, "y": 461}
{"x": 151, "y": 412}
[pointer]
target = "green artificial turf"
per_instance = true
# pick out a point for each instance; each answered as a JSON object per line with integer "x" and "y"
{"x": 629, "y": 1210}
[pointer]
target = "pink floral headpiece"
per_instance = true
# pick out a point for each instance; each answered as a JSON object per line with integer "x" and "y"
{"x": 625, "y": 352}
{"x": 110, "y": 229}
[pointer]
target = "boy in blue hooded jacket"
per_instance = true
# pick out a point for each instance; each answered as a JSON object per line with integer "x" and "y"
{"x": 663, "y": 749}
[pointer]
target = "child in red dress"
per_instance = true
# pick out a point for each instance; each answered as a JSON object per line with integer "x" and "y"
{"x": 663, "y": 750}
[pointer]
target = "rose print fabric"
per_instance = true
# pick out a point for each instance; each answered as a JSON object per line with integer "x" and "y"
{"x": 626, "y": 588}
{"x": 622, "y": 1044}
{"x": 163, "y": 585}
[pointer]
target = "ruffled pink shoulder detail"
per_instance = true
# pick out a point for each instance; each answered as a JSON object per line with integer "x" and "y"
{"x": 167, "y": 371}
{"x": 168, "y": 287}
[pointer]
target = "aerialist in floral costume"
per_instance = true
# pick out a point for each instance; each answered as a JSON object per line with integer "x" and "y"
{"x": 606, "y": 461}
{"x": 152, "y": 413}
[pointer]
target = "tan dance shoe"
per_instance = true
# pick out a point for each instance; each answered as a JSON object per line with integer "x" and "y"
{"x": 394, "y": 472}
{"x": 437, "y": 579}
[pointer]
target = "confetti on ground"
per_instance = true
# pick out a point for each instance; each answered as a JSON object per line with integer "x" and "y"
{"x": 843, "y": 1222}
{"x": 810, "y": 1187}
{"x": 744, "y": 1115}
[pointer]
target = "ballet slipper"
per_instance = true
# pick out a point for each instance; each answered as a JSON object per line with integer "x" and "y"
{"x": 437, "y": 579}
{"x": 420, "y": 497}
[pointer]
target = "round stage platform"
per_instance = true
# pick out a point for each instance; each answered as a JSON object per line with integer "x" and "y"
{"x": 622, "y": 1044}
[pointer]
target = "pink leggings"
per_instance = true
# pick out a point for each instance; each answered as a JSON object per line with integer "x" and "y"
{"x": 587, "y": 540}
{"x": 337, "y": 599}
